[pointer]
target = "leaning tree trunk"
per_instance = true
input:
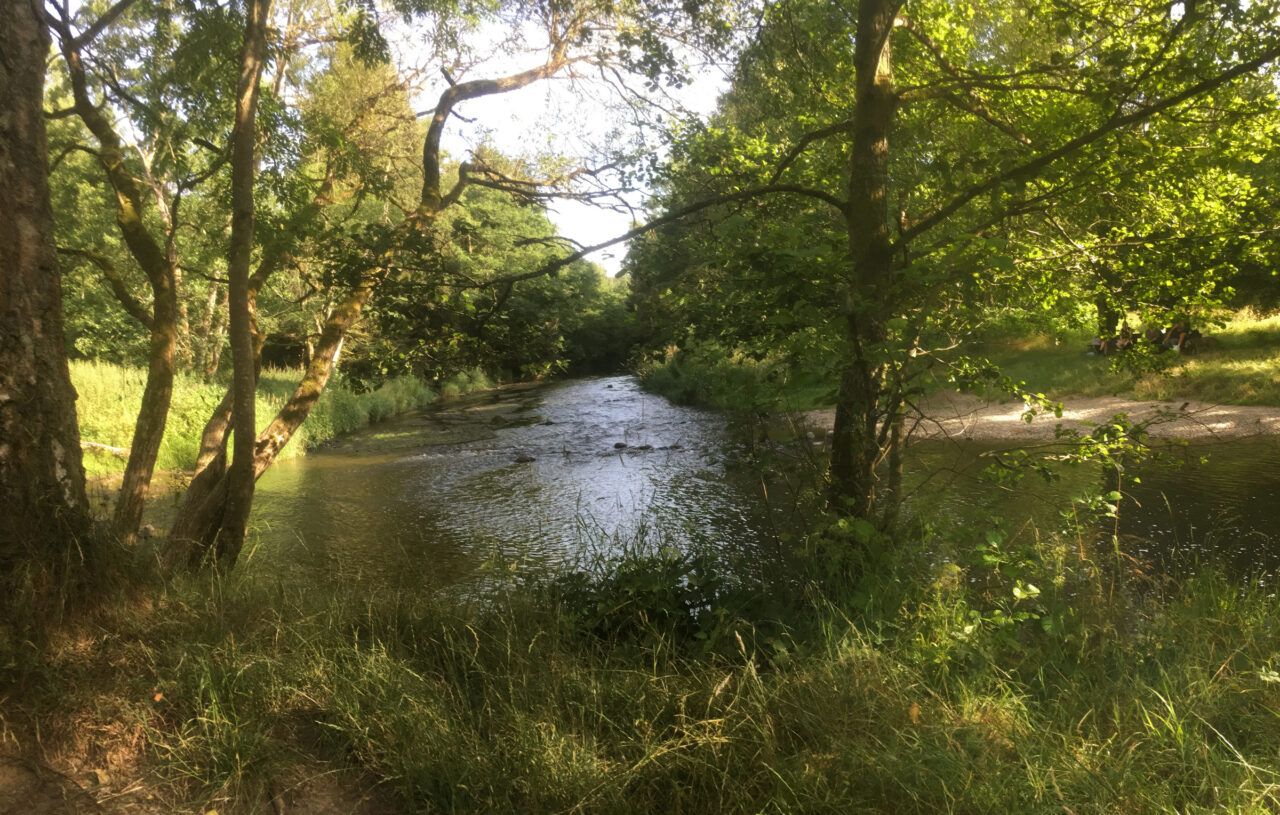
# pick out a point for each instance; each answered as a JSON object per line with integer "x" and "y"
{"x": 203, "y": 503}
{"x": 856, "y": 441}
{"x": 196, "y": 526}
{"x": 159, "y": 267}
{"x": 148, "y": 431}
{"x": 44, "y": 514}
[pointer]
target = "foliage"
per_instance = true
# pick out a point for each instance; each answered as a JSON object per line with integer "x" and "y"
{"x": 951, "y": 685}
{"x": 461, "y": 311}
{"x": 710, "y": 375}
{"x": 880, "y": 208}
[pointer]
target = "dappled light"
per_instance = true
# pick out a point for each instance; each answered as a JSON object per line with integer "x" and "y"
{"x": 914, "y": 453}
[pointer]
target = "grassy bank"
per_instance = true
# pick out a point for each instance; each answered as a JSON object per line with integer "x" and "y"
{"x": 713, "y": 376}
{"x": 659, "y": 683}
{"x": 110, "y": 395}
{"x": 1239, "y": 366}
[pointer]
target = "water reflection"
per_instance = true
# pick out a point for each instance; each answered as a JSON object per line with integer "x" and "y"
{"x": 535, "y": 473}
{"x": 1207, "y": 502}
{"x": 538, "y": 473}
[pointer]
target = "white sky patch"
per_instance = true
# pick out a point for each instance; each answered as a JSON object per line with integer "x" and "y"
{"x": 573, "y": 122}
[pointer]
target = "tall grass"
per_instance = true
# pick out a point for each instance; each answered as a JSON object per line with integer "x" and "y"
{"x": 110, "y": 396}
{"x": 713, "y": 376}
{"x": 625, "y": 688}
{"x": 466, "y": 381}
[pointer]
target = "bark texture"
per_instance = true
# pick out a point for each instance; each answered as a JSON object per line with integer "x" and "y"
{"x": 857, "y": 446}
{"x": 43, "y": 511}
{"x": 156, "y": 261}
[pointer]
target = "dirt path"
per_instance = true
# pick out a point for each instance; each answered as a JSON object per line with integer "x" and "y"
{"x": 964, "y": 416}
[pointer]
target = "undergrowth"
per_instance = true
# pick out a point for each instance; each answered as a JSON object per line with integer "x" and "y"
{"x": 1240, "y": 365}
{"x": 712, "y": 376}
{"x": 856, "y": 675}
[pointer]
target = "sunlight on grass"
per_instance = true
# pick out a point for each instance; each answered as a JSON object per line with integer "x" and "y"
{"x": 1241, "y": 366}
{"x": 110, "y": 396}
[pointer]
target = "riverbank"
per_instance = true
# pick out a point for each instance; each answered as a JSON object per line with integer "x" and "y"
{"x": 1230, "y": 389}
{"x": 109, "y": 397}
{"x": 672, "y": 668}
{"x": 963, "y": 416}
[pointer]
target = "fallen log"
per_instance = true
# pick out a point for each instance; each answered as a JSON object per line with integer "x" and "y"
{"x": 118, "y": 452}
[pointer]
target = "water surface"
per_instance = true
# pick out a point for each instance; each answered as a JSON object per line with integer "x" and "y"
{"x": 544, "y": 473}
{"x": 536, "y": 473}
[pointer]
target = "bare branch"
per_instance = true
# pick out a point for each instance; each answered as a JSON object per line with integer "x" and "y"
{"x": 135, "y": 309}
{"x": 432, "y": 199}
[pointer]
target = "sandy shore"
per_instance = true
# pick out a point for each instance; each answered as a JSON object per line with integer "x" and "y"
{"x": 964, "y": 416}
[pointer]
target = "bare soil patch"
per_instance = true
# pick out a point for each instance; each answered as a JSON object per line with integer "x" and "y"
{"x": 965, "y": 416}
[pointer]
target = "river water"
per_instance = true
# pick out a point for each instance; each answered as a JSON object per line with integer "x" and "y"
{"x": 545, "y": 473}
{"x": 541, "y": 474}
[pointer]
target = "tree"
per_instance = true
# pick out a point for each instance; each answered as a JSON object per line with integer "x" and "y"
{"x": 964, "y": 123}
{"x": 45, "y": 514}
{"x": 585, "y": 34}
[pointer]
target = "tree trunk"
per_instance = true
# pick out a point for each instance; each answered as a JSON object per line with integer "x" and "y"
{"x": 203, "y": 503}
{"x": 162, "y": 275}
{"x": 856, "y": 443}
{"x": 240, "y": 475}
{"x": 1109, "y": 315}
{"x": 277, "y": 434}
{"x": 148, "y": 431}
{"x": 44, "y": 515}
{"x": 196, "y": 526}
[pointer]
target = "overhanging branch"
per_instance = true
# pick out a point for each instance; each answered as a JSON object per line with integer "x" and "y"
{"x": 671, "y": 217}
{"x": 1115, "y": 122}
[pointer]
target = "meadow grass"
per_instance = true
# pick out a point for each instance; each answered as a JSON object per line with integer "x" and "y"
{"x": 110, "y": 396}
{"x": 1241, "y": 366}
{"x": 629, "y": 687}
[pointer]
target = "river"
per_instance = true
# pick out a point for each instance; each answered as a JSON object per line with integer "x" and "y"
{"x": 541, "y": 474}
{"x": 548, "y": 473}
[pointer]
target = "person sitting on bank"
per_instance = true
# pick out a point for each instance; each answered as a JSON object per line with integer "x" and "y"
{"x": 1124, "y": 340}
{"x": 1181, "y": 337}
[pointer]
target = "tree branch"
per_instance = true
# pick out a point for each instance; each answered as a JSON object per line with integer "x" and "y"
{"x": 135, "y": 309}
{"x": 965, "y": 99}
{"x": 807, "y": 139}
{"x": 432, "y": 199}
{"x": 555, "y": 265}
{"x": 108, "y": 17}
{"x": 1112, "y": 124}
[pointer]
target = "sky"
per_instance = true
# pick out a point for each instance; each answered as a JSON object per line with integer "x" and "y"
{"x": 559, "y": 117}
